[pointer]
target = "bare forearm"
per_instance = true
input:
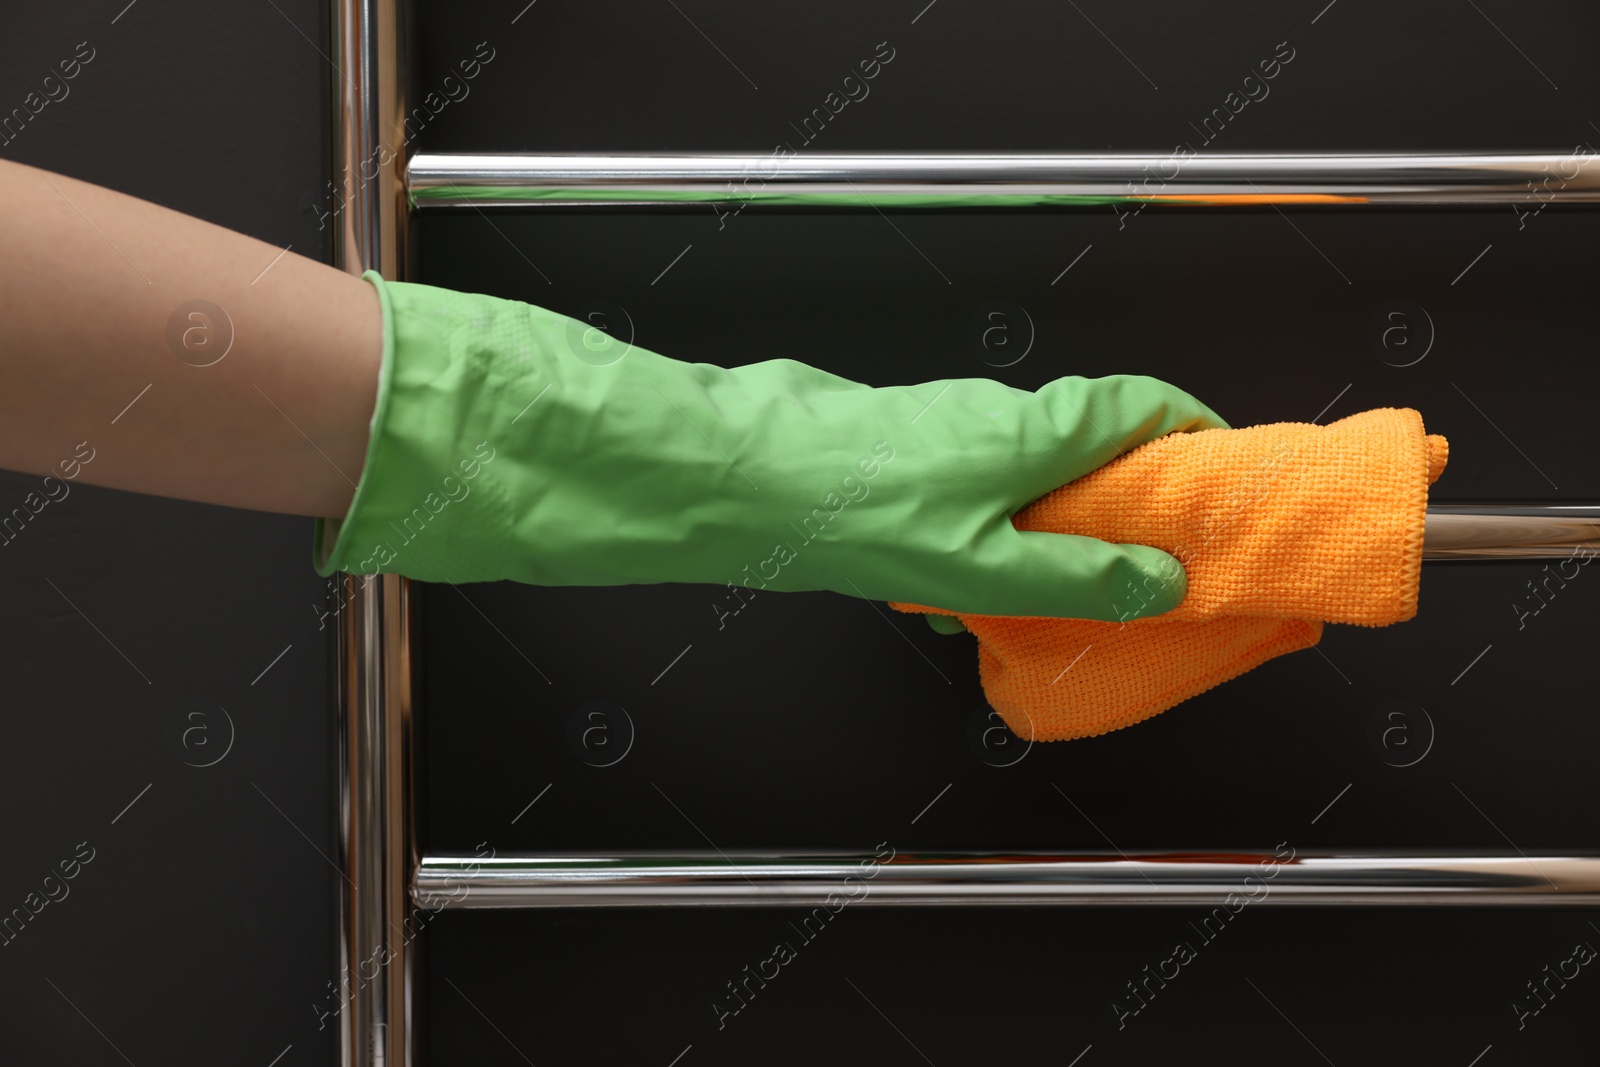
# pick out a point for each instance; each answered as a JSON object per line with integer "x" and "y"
{"x": 104, "y": 340}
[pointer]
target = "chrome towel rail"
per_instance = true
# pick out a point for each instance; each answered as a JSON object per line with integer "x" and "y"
{"x": 384, "y": 872}
{"x": 438, "y": 181}
{"x": 765, "y": 879}
{"x": 1512, "y": 532}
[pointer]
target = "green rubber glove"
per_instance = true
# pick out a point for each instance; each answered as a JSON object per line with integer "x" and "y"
{"x": 510, "y": 441}
{"x": 945, "y": 624}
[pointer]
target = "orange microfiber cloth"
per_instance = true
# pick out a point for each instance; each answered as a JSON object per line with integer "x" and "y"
{"x": 1280, "y": 528}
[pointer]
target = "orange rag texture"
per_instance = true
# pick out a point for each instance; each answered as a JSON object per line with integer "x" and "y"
{"x": 1280, "y": 528}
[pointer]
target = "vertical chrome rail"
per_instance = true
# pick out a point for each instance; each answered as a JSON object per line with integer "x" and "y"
{"x": 374, "y": 726}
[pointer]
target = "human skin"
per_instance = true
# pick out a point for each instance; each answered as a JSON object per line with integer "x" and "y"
{"x": 89, "y": 280}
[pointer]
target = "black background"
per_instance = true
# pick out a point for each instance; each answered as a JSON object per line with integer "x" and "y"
{"x": 199, "y": 932}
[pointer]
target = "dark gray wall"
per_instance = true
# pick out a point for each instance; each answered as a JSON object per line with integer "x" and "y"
{"x": 811, "y": 722}
{"x": 137, "y": 629}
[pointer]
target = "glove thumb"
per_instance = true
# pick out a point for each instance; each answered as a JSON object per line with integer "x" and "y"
{"x": 1070, "y": 576}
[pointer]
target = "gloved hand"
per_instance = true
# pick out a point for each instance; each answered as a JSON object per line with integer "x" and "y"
{"x": 510, "y": 441}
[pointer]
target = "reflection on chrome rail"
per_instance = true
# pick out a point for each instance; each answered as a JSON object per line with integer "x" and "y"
{"x": 949, "y": 180}
{"x": 1511, "y": 531}
{"x": 526, "y": 881}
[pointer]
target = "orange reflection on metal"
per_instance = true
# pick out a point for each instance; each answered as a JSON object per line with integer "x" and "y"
{"x": 1257, "y": 198}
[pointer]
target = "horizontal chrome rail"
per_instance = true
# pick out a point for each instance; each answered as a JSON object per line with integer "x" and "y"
{"x": 530, "y": 881}
{"x": 1512, "y": 532}
{"x": 946, "y": 180}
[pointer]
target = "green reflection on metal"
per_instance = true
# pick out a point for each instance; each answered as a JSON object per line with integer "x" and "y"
{"x": 532, "y": 195}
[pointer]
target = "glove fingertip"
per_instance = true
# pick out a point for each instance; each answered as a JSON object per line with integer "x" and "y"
{"x": 1162, "y": 583}
{"x": 945, "y": 624}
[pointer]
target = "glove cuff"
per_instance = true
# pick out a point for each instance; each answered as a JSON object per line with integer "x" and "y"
{"x": 331, "y": 539}
{"x": 421, "y": 507}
